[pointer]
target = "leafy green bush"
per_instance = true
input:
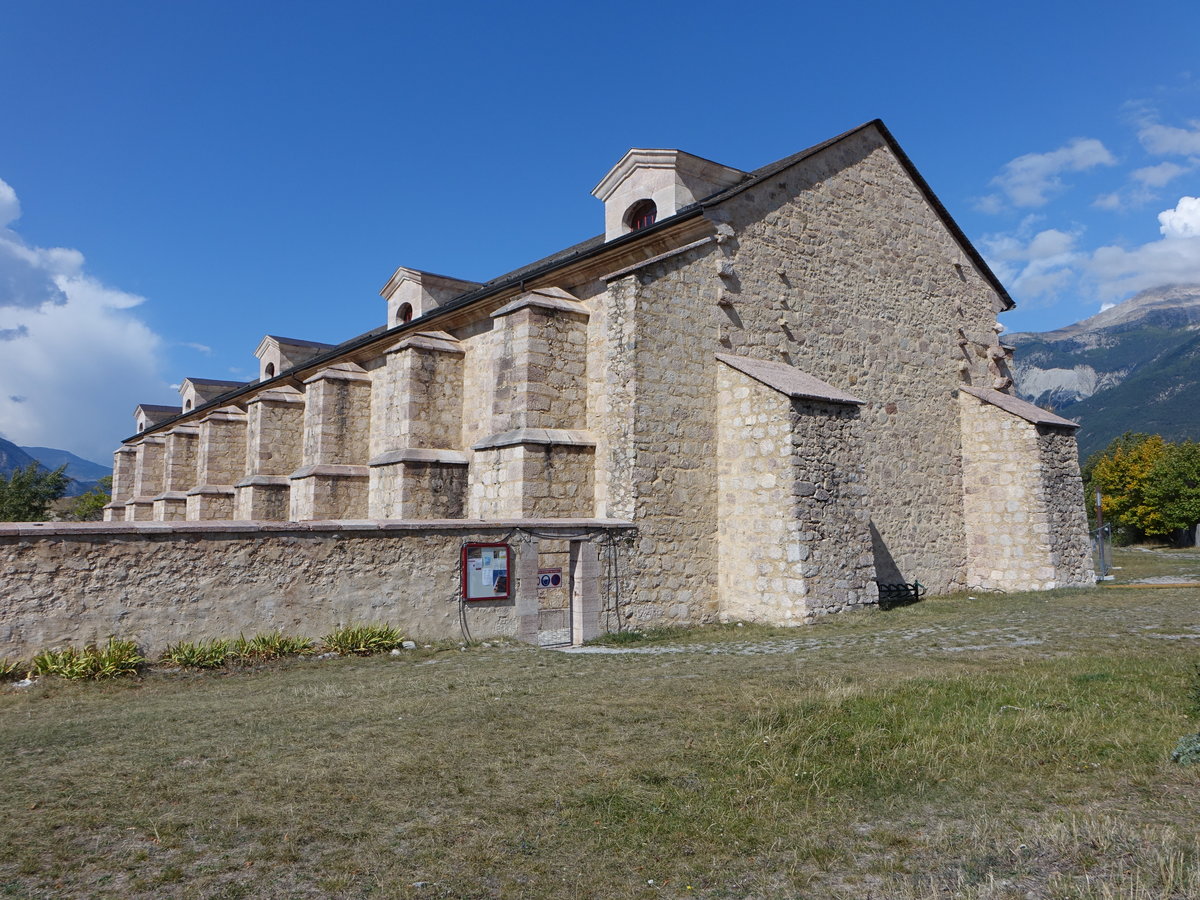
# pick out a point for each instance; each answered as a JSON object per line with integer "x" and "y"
{"x": 9, "y": 669}
{"x": 114, "y": 659}
{"x": 199, "y": 654}
{"x": 363, "y": 640}
{"x": 270, "y": 645}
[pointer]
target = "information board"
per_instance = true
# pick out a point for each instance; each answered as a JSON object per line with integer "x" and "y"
{"x": 486, "y": 571}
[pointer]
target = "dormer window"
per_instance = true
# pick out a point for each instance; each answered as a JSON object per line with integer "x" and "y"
{"x": 188, "y": 406}
{"x": 641, "y": 215}
{"x": 269, "y": 371}
{"x": 404, "y": 314}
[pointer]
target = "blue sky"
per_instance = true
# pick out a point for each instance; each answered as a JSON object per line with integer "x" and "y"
{"x": 178, "y": 179}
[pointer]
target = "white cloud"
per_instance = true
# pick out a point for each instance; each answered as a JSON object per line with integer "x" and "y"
{"x": 1174, "y": 259}
{"x": 1160, "y": 175}
{"x": 73, "y": 359}
{"x": 1183, "y": 221}
{"x": 1029, "y": 180}
{"x": 1035, "y": 265}
{"x": 199, "y": 348}
{"x": 1166, "y": 140}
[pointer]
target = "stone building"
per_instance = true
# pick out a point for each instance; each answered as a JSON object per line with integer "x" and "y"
{"x": 788, "y": 381}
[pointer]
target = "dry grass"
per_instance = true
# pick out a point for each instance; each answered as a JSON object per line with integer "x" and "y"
{"x": 1009, "y": 746}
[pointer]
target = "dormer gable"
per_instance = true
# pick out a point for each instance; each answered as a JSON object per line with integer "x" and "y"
{"x": 278, "y": 354}
{"x": 411, "y": 293}
{"x": 195, "y": 392}
{"x": 647, "y": 186}
{"x": 147, "y": 415}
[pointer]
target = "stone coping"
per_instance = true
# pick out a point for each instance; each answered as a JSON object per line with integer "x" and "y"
{"x": 264, "y": 481}
{"x": 544, "y": 298}
{"x": 620, "y": 273}
{"x": 430, "y": 340}
{"x": 170, "y": 495}
{"x": 1018, "y": 407}
{"x": 331, "y": 471}
{"x": 570, "y": 437}
{"x": 205, "y": 490}
{"x": 789, "y": 380}
{"x": 339, "y": 372}
{"x": 278, "y": 397}
{"x": 185, "y": 430}
{"x": 315, "y": 526}
{"x": 420, "y": 455}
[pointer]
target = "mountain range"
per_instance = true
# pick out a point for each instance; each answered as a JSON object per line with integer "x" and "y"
{"x": 83, "y": 472}
{"x": 1132, "y": 367}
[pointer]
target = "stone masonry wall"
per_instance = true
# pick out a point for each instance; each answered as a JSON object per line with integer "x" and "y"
{"x": 1062, "y": 492}
{"x": 838, "y": 266}
{"x": 664, "y": 463}
{"x": 157, "y": 585}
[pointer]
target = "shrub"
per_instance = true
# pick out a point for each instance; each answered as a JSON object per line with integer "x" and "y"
{"x": 1187, "y": 751}
{"x": 270, "y": 645}
{"x": 9, "y": 669}
{"x": 363, "y": 640}
{"x": 114, "y": 659}
{"x": 198, "y": 655}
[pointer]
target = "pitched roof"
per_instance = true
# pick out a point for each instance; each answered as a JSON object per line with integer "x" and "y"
{"x": 596, "y": 245}
{"x": 1018, "y": 407}
{"x": 789, "y": 380}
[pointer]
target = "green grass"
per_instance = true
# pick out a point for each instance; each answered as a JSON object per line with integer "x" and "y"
{"x": 983, "y": 748}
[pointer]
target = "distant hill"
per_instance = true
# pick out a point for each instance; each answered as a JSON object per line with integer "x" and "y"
{"x": 1133, "y": 367}
{"x": 83, "y": 472}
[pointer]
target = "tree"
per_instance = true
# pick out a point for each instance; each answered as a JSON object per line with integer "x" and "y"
{"x": 1173, "y": 487}
{"x": 89, "y": 506}
{"x": 27, "y": 493}
{"x": 1121, "y": 473}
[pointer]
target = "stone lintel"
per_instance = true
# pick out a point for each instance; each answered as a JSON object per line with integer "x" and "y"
{"x": 420, "y": 455}
{"x": 340, "y": 372}
{"x": 439, "y": 341}
{"x": 545, "y": 298}
{"x": 280, "y": 481}
{"x": 1022, "y": 409}
{"x": 211, "y": 490}
{"x": 569, "y": 437}
{"x": 331, "y": 472}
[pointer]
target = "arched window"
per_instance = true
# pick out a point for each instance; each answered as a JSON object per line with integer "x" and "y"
{"x": 404, "y": 313}
{"x": 187, "y": 406}
{"x": 269, "y": 371}
{"x": 641, "y": 215}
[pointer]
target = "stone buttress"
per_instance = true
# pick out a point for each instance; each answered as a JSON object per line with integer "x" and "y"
{"x": 539, "y": 461}
{"x": 793, "y": 521}
{"x": 179, "y": 473}
{"x": 147, "y": 479}
{"x": 124, "y": 462}
{"x": 418, "y": 469}
{"x": 220, "y": 462}
{"x": 331, "y": 482}
{"x": 1022, "y": 496}
{"x": 274, "y": 437}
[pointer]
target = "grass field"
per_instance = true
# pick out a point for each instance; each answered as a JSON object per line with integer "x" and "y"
{"x": 1006, "y": 746}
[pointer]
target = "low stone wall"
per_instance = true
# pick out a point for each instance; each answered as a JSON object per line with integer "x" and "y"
{"x": 159, "y": 582}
